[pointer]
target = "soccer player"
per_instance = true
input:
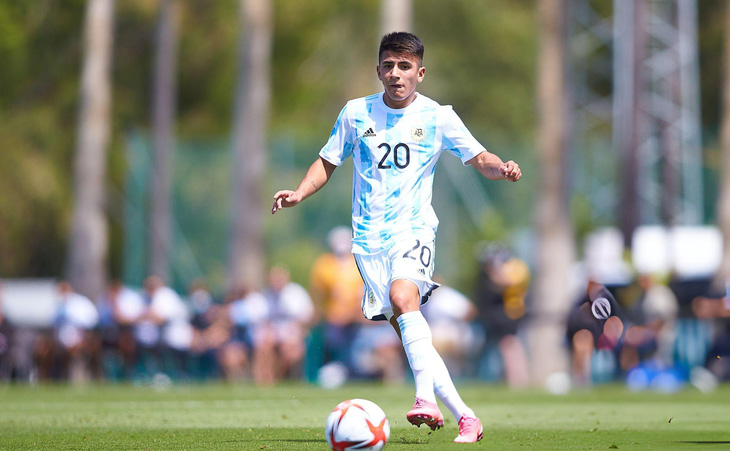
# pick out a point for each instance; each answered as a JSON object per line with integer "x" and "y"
{"x": 395, "y": 139}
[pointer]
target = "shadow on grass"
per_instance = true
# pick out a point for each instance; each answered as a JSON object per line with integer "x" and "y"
{"x": 705, "y": 442}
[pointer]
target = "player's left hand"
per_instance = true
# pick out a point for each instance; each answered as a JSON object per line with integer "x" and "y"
{"x": 510, "y": 171}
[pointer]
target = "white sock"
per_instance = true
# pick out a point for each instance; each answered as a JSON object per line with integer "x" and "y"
{"x": 445, "y": 390}
{"x": 416, "y": 337}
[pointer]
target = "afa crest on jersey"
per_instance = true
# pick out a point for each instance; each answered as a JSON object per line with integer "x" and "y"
{"x": 417, "y": 134}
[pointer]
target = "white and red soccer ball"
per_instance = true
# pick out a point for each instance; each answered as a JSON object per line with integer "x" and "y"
{"x": 357, "y": 424}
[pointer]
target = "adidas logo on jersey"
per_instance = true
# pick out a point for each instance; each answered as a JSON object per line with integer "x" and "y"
{"x": 369, "y": 133}
{"x": 421, "y": 270}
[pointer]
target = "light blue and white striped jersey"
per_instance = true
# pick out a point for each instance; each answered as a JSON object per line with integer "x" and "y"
{"x": 395, "y": 153}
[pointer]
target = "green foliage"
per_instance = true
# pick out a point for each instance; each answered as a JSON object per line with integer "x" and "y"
{"x": 480, "y": 57}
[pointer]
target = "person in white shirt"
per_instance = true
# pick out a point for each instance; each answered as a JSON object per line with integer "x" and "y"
{"x": 449, "y": 314}
{"x": 290, "y": 314}
{"x": 395, "y": 139}
{"x": 121, "y": 308}
{"x": 250, "y": 342}
{"x": 165, "y": 330}
{"x": 76, "y": 319}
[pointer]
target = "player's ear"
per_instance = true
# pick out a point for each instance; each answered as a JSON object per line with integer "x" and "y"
{"x": 421, "y": 73}
{"x": 377, "y": 71}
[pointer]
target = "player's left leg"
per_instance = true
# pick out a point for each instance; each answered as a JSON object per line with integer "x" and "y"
{"x": 470, "y": 428}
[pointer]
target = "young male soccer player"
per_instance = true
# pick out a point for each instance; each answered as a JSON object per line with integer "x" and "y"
{"x": 395, "y": 139}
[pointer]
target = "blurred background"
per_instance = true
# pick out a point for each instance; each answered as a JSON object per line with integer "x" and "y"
{"x": 142, "y": 141}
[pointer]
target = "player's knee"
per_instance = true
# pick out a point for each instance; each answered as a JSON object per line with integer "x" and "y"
{"x": 404, "y": 301}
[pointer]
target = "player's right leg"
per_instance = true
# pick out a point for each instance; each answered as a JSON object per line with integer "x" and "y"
{"x": 412, "y": 272}
{"x": 415, "y": 334}
{"x": 376, "y": 271}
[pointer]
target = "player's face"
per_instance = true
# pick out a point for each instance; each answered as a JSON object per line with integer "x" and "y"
{"x": 400, "y": 73}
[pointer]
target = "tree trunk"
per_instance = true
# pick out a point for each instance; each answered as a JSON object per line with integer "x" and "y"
{"x": 252, "y": 111}
{"x": 396, "y": 15}
{"x": 164, "y": 142}
{"x": 555, "y": 238}
{"x": 89, "y": 234}
{"x": 723, "y": 203}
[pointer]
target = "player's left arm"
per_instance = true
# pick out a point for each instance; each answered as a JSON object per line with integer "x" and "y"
{"x": 493, "y": 168}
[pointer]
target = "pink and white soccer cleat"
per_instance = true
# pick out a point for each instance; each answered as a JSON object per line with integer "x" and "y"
{"x": 470, "y": 430}
{"x": 425, "y": 412}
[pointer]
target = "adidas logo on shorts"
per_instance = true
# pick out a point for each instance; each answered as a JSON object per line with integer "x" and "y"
{"x": 369, "y": 133}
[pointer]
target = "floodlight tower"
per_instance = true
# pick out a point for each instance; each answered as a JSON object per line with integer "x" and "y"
{"x": 636, "y": 85}
{"x": 590, "y": 72}
{"x": 656, "y": 119}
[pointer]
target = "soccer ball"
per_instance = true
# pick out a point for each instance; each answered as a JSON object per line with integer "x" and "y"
{"x": 357, "y": 424}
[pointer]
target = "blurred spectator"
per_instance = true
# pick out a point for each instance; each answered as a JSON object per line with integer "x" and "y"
{"x": 249, "y": 340}
{"x": 5, "y": 334}
{"x": 337, "y": 289}
{"x": 379, "y": 353}
{"x": 168, "y": 312}
{"x": 590, "y": 337}
{"x": 449, "y": 313}
{"x": 500, "y": 298}
{"x": 204, "y": 313}
{"x": 73, "y": 350}
{"x": 120, "y": 308}
{"x": 200, "y": 302}
{"x": 650, "y": 335}
{"x": 715, "y": 307}
{"x": 290, "y": 315}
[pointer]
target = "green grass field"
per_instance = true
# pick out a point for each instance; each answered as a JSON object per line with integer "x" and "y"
{"x": 243, "y": 417}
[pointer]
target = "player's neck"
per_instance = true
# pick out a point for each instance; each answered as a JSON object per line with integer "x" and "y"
{"x": 399, "y": 104}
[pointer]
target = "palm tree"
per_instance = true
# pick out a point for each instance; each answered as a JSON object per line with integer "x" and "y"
{"x": 555, "y": 251}
{"x": 89, "y": 235}
{"x": 164, "y": 115}
{"x": 396, "y": 15}
{"x": 246, "y": 264}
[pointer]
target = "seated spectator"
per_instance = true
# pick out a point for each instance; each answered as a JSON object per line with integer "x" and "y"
{"x": 120, "y": 309}
{"x": 200, "y": 302}
{"x": 76, "y": 319}
{"x": 500, "y": 298}
{"x": 449, "y": 313}
{"x": 250, "y": 342}
{"x": 5, "y": 334}
{"x": 204, "y": 312}
{"x": 379, "y": 353}
{"x": 169, "y": 313}
{"x": 587, "y": 334}
{"x": 290, "y": 315}
{"x": 715, "y": 307}
{"x": 650, "y": 335}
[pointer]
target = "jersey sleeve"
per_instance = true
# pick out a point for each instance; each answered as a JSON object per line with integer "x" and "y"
{"x": 456, "y": 139}
{"x": 340, "y": 143}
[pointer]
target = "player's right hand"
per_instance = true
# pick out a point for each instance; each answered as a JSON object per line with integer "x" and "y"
{"x": 285, "y": 198}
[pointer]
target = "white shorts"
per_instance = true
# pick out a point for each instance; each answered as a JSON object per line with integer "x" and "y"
{"x": 411, "y": 258}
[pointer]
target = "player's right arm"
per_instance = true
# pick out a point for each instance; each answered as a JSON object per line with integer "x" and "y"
{"x": 316, "y": 177}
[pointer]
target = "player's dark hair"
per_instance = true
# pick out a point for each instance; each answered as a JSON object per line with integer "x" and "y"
{"x": 401, "y": 42}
